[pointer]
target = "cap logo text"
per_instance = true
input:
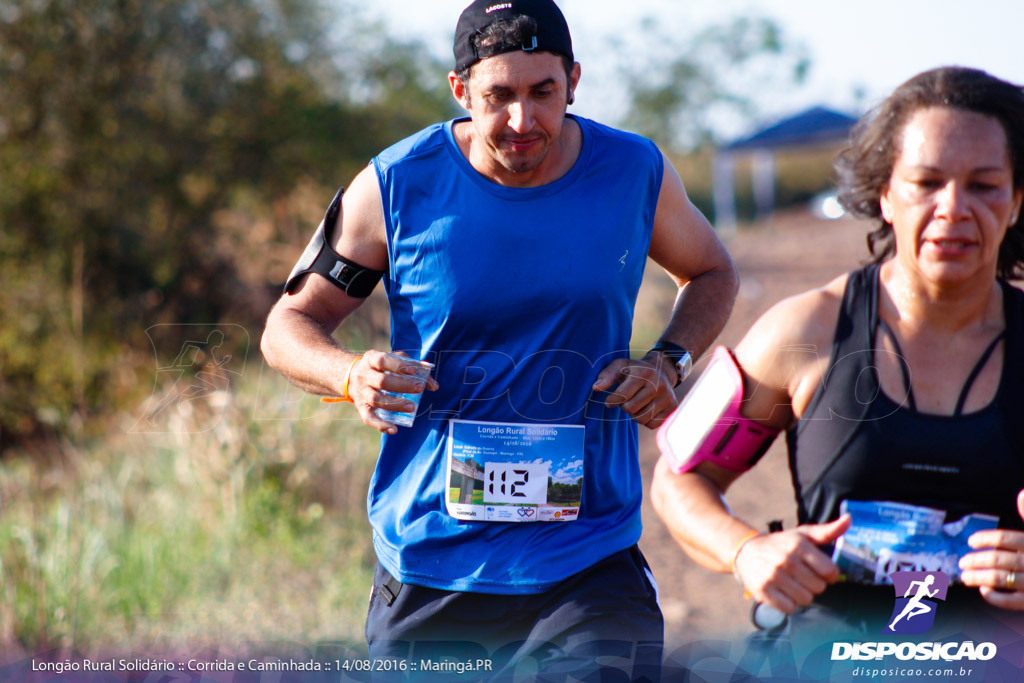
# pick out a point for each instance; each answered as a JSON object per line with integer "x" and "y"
{"x": 495, "y": 8}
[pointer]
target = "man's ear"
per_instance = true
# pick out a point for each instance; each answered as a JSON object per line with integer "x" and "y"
{"x": 574, "y": 80}
{"x": 460, "y": 91}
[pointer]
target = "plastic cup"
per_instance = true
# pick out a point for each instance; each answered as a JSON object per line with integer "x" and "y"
{"x": 423, "y": 370}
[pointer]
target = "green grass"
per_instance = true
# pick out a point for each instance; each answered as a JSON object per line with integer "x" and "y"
{"x": 226, "y": 529}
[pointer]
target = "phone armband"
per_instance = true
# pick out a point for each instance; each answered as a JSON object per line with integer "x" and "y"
{"x": 319, "y": 257}
{"x": 708, "y": 427}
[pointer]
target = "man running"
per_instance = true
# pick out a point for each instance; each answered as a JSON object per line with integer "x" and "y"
{"x": 512, "y": 245}
{"x": 914, "y": 606}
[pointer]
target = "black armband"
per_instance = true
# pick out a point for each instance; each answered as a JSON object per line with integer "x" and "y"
{"x": 319, "y": 257}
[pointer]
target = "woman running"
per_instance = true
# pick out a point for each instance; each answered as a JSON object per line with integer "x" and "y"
{"x": 899, "y": 382}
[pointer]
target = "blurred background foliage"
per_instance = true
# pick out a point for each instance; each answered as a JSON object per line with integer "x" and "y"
{"x": 683, "y": 84}
{"x": 153, "y": 153}
{"x": 162, "y": 165}
{"x": 164, "y": 160}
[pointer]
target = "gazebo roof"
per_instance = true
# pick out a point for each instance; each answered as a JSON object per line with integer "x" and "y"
{"x": 813, "y": 126}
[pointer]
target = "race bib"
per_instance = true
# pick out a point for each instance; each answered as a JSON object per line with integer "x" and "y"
{"x": 511, "y": 472}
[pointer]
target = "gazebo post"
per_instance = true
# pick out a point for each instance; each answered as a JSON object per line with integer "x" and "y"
{"x": 723, "y": 175}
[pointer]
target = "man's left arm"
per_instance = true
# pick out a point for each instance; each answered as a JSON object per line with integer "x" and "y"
{"x": 685, "y": 245}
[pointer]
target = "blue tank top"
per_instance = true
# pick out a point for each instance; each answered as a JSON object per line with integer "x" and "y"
{"x": 520, "y": 297}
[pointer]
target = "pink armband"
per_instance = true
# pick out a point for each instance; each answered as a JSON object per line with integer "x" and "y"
{"x": 707, "y": 425}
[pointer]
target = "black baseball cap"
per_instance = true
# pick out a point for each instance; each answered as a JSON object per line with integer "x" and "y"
{"x": 552, "y": 31}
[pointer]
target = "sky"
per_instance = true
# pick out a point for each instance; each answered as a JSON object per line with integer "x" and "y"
{"x": 870, "y": 46}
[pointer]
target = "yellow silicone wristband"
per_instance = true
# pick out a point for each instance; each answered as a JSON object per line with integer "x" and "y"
{"x": 344, "y": 398}
{"x": 348, "y": 375}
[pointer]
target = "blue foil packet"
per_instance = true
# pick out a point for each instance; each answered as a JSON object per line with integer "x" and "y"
{"x": 887, "y": 537}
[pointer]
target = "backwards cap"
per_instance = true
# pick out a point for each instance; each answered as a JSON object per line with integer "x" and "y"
{"x": 552, "y": 31}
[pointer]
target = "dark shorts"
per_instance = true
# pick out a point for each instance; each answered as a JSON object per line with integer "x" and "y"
{"x": 603, "y": 623}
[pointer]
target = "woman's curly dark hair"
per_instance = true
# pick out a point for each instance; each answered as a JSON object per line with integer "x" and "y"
{"x": 865, "y": 166}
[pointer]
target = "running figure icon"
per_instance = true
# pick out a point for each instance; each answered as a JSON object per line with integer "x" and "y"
{"x": 914, "y": 606}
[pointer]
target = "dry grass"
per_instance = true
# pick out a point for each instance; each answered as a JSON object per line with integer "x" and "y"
{"x": 235, "y": 519}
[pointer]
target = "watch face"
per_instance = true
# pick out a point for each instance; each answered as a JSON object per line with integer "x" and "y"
{"x": 684, "y": 366}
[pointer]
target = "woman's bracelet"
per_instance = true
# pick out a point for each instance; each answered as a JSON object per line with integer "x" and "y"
{"x": 739, "y": 546}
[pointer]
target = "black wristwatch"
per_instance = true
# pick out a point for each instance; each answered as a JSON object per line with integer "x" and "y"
{"x": 678, "y": 355}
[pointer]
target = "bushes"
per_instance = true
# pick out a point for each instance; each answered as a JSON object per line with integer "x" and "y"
{"x": 137, "y": 166}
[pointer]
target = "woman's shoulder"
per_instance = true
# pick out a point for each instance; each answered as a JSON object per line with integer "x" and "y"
{"x": 805, "y": 319}
{"x": 785, "y": 353}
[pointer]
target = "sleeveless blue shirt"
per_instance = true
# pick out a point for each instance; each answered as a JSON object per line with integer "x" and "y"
{"x": 520, "y": 296}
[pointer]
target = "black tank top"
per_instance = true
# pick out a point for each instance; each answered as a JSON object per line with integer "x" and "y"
{"x": 855, "y": 442}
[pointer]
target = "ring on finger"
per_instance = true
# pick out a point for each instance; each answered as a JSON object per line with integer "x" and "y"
{"x": 1011, "y": 580}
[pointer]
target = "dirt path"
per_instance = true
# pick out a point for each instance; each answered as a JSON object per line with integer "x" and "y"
{"x": 791, "y": 253}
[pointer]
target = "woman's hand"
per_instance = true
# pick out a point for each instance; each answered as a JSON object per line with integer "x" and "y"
{"x": 998, "y": 569}
{"x": 787, "y": 569}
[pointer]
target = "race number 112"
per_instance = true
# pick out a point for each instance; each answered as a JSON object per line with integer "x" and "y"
{"x": 516, "y": 483}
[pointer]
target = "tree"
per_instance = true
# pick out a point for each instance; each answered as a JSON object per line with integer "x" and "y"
{"x": 129, "y": 130}
{"x": 685, "y": 83}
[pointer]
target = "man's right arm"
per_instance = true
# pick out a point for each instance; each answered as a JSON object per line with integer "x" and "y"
{"x": 297, "y": 341}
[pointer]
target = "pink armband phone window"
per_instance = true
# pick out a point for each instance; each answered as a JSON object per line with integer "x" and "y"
{"x": 708, "y": 427}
